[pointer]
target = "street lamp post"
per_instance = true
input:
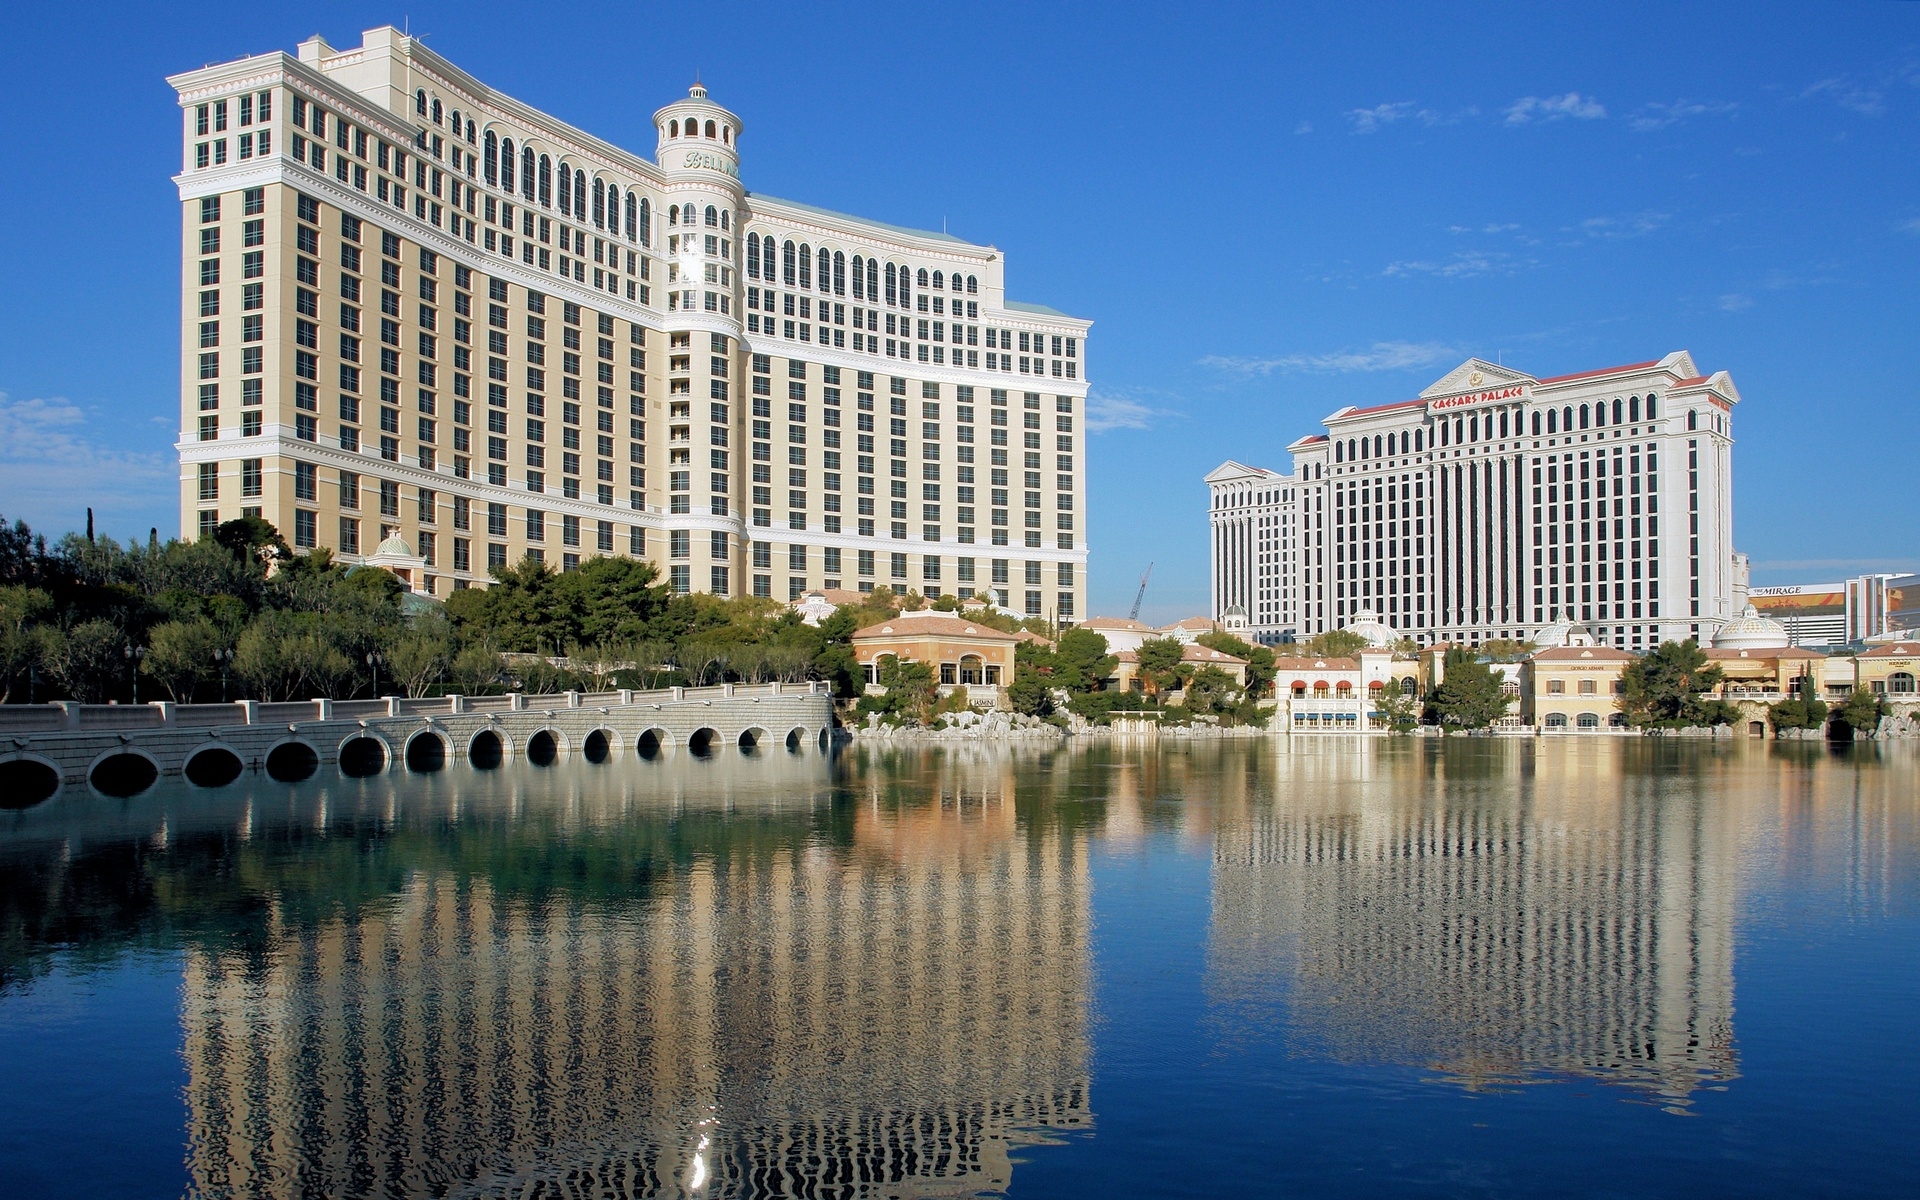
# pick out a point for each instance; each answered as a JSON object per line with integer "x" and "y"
{"x": 223, "y": 657}
{"x": 373, "y": 661}
{"x": 133, "y": 655}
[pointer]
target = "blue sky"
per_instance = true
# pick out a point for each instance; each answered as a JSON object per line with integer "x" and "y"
{"x": 1268, "y": 212}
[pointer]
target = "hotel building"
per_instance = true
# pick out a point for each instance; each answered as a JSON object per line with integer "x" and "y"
{"x": 1495, "y": 503}
{"x": 421, "y": 316}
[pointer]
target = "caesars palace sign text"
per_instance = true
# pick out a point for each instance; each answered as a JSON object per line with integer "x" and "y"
{"x": 1516, "y": 391}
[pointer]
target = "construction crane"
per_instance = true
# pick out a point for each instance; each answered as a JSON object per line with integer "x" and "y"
{"x": 1141, "y": 594}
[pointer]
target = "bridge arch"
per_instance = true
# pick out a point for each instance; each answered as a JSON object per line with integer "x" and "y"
{"x": 426, "y": 752}
{"x": 750, "y": 739}
{"x": 653, "y": 742}
{"x": 797, "y": 739}
{"x": 213, "y": 765}
{"x": 364, "y": 753}
{"x": 291, "y": 760}
{"x": 27, "y": 780}
{"x": 702, "y": 742}
{"x": 487, "y": 749}
{"x": 600, "y": 745}
{"x": 546, "y": 746}
{"x": 123, "y": 771}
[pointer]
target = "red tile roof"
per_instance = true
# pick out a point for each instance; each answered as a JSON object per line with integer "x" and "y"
{"x": 1641, "y": 366}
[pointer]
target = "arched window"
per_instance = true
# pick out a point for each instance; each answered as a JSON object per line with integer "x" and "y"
{"x": 920, "y": 277}
{"x": 726, "y": 135}
{"x": 859, "y": 280}
{"x": 1589, "y": 720}
{"x": 646, "y": 220}
{"x": 436, "y": 111}
{"x": 1339, "y": 452}
{"x": 673, "y": 129}
{"x": 673, "y": 215}
{"x": 469, "y": 131}
{"x": 873, "y": 280}
{"x": 906, "y": 287}
{"x": 1536, "y": 422}
{"x": 527, "y": 164}
{"x": 710, "y": 129}
{"x": 1650, "y": 413}
{"x": 1418, "y": 440}
{"x": 454, "y": 122}
{"x": 806, "y": 265}
{"x": 713, "y": 217}
{"x": 1616, "y": 410}
{"x": 939, "y": 281}
{"x": 420, "y": 102}
{"x": 1553, "y": 421}
{"x": 1566, "y": 418}
{"x": 506, "y": 166}
{"x": 1583, "y": 416}
{"x": 566, "y": 190}
{"x": 1633, "y": 408}
{"x": 786, "y": 263}
{"x": 490, "y": 158}
{"x": 892, "y": 295}
{"x": 826, "y": 269}
{"x": 600, "y": 205}
{"x": 973, "y": 286}
{"x": 1556, "y": 720}
{"x": 631, "y": 215}
{"x": 546, "y": 182}
{"x": 753, "y": 256}
{"x": 726, "y": 219}
{"x": 1693, "y": 419}
{"x": 839, "y": 273}
{"x": 1900, "y": 682}
{"x": 1376, "y": 445}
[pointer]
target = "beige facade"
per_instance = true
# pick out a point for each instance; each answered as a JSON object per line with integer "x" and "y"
{"x": 1575, "y": 689}
{"x": 414, "y": 305}
{"x": 1890, "y": 670}
{"x": 961, "y": 652}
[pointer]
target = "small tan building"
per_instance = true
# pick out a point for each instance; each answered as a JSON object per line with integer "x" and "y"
{"x": 1891, "y": 670}
{"x": 1575, "y": 689}
{"x": 1126, "y": 674}
{"x": 961, "y": 652}
{"x": 1767, "y": 675}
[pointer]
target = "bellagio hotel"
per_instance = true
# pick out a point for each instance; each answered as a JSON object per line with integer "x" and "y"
{"x": 427, "y": 325}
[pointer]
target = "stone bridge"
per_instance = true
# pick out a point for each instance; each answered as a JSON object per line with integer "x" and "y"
{"x": 122, "y": 750}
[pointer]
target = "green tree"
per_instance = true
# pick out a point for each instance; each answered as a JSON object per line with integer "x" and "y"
{"x": 1159, "y": 661}
{"x": 22, "y": 609}
{"x": 421, "y": 654}
{"x": 1862, "y": 710}
{"x": 1505, "y": 650}
{"x": 1334, "y": 643}
{"x": 1030, "y": 692}
{"x": 180, "y": 655}
{"x": 1080, "y": 660}
{"x": 1259, "y": 659}
{"x": 1211, "y": 691}
{"x": 1400, "y": 707}
{"x": 88, "y": 660}
{"x": 1802, "y": 711}
{"x": 477, "y": 669}
{"x": 1664, "y": 689}
{"x": 1469, "y": 694}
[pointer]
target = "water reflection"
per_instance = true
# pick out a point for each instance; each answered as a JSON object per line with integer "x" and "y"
{"x": 1498, "y": 912}
{"x": 726, "y": 978}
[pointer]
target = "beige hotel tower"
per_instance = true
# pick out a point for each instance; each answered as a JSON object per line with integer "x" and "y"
{"x": 428, "y": 326}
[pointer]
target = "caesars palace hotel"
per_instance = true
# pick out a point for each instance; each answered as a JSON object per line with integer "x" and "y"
{"x": 429, "y": 326}
{"x": 1492, "y": 504}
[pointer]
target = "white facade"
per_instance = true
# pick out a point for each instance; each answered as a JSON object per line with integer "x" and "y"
{"x": 414, "y": 305}
{"x": 1493, "y": 504}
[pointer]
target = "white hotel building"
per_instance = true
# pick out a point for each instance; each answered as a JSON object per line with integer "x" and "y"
{"x": 1492, "y": 504}
{"x": 428, "y": 326}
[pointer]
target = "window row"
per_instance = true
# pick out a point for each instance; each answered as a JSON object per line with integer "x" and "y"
{"x": 532, "y": 176}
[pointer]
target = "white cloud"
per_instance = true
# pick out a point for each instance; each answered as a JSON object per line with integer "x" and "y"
{"x": 52, "y": 466}
{"x": 1463, "y": 264}
{"x": 1528, "y": 109}
{"x": 1106, "y": 410}
{"x": 1381, "y": 356}
{"x": 1370, "y": 120}
{"x": 1852, "y": 96}
{"x": 1303, "y": 127}
{"x": 1507, "y": 227}
{"x": 1658, "y": 116}
{"x": 1912, "y": 226}
{"x": 1620, "y": 228}
{"x": 1734, "y": 302}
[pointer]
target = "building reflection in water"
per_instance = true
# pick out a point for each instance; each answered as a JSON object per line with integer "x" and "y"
{"x": 1492, "y": 912}
{"x": 739, "y": 979}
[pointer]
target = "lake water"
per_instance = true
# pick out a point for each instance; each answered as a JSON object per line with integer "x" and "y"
{"x": 1583, "y": 968}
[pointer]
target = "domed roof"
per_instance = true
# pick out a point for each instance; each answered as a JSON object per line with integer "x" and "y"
{"x": 1368, "y": 625}
{"x": 394, "y": 546}
{"x": 1562, "y": 632}
{"x": 1751, "y": 631}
